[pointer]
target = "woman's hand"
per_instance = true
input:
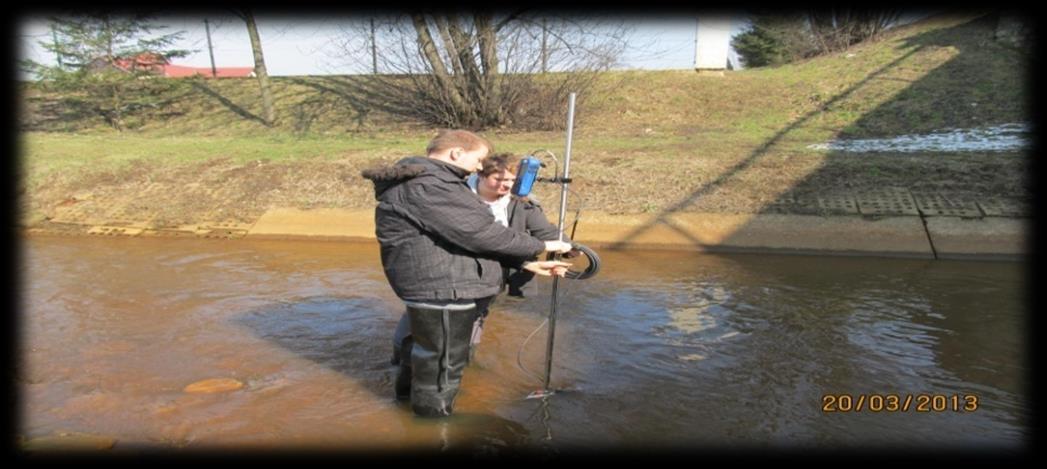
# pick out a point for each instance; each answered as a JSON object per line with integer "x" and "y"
{"x": 547, "y": 268}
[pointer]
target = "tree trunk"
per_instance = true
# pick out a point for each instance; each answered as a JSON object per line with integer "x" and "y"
{"x": 464, "y": 45}
{"x": 116, "y": 116}
{"x": 452, "y": 47}
{"x": 494, "y": 113}
{"x": 443, "y": 80}
{"x": 260, "y": 71}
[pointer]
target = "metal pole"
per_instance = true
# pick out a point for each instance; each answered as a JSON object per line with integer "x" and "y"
{"x": 54, "y": 35}
{"x": 563, "y": 211}
{"x": 210, "y": 50}
{"x": 697, "y": 25}
{"x": 545, "y": 54}
{"x": 374, "y": 51}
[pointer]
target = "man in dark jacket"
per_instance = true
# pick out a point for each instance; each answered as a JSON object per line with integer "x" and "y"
{"x": 443, "y": 253}
{"x": 493, "y": 184}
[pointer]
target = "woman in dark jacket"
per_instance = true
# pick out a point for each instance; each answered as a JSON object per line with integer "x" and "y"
{"x": 493, "y": 184}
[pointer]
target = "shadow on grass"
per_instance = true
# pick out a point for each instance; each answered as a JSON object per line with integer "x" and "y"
{"x": 240, "y": 111}
{"x": 981, "y": 85}
{"x": 922, "y": 96}
{"x": 326, "y": 84}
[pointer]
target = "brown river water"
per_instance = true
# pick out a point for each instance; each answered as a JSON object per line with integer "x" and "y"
{"x": 661, "y": 349}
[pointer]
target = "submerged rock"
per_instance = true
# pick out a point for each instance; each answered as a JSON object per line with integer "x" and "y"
{"x": 209, "y": 386}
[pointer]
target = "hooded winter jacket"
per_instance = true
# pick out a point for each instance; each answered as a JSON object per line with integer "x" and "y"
{"x": 438, "y": 240}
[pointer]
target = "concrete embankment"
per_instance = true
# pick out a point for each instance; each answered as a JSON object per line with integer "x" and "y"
{"x": 891, "y": 236}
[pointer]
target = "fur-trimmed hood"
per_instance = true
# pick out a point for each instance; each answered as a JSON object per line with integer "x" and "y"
{"x": 408, "y": 168}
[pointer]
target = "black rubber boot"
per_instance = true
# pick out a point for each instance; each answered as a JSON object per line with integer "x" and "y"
{"x": 403, "y": 329}
{"x": 403, "y": 375}
{"x": 439, "y": 354}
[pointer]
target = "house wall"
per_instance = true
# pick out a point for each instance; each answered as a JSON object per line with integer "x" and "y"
{"x": 713, "y": 41}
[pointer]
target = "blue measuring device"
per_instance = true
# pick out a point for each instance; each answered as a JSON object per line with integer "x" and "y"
{"x": 526, "y": 175}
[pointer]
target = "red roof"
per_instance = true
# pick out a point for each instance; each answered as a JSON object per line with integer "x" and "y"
{"x": 181, "y": 71}
{"x": 159, "y": 65}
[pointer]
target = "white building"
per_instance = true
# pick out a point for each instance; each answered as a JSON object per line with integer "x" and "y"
{"x": 712, "y": 43}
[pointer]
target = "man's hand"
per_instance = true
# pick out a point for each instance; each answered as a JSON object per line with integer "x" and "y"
{"x": 547, "y": 268}
{"x": 557, "y": 246}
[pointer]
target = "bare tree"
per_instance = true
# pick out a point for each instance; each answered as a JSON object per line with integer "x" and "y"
{"x": 481, "y": 69}
{"x": 269, "y": 115}
{"x": 839, "y": 28}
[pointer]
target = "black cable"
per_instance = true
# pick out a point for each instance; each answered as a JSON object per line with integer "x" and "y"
{"x": 591, "y": 270}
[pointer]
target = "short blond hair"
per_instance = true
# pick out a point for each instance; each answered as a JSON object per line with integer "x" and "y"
{"x": 450, "y": 138}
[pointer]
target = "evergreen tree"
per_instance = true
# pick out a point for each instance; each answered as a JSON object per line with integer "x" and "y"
{"x": 757, "y": 48}
{"x": 108, "y": 64}
{"x": 774, "y": 39}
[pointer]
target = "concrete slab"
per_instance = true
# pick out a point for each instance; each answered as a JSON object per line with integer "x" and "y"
{"x": 894, "y": 236}
{"x": 167, "y": 233}
{"x": 998, "y": 207}
{"x": 112, "y": 230}
{"x": 891, "y": 236}
{"x": 223, "y": 234}
{"x": 322, "y": 223}
{"x": 985, "y": 238}
{"x": 935, "y": 205}
{"x": 886, "y": 201}
{"x": 226, "y": 224}
{"x": 838, "y": 204}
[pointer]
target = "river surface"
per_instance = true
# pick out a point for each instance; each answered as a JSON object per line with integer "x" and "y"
{"x": 661, "y": 349}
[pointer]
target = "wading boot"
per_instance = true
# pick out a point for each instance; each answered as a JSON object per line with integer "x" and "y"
{"x": 439, "y": 352}
{"x": 403, "y": 374}
{"x": 403, "y": 329}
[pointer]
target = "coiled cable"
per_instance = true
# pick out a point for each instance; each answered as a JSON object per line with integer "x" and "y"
{"x": 591, "y": 270}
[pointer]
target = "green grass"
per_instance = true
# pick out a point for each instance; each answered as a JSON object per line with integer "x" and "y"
{"x": 47, "y": 152}
{"x": 900, "y": 82}
{"x": 666, "y": 127}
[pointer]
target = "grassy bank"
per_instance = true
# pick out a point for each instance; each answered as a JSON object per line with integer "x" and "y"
{"x": 650, "y": 142}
